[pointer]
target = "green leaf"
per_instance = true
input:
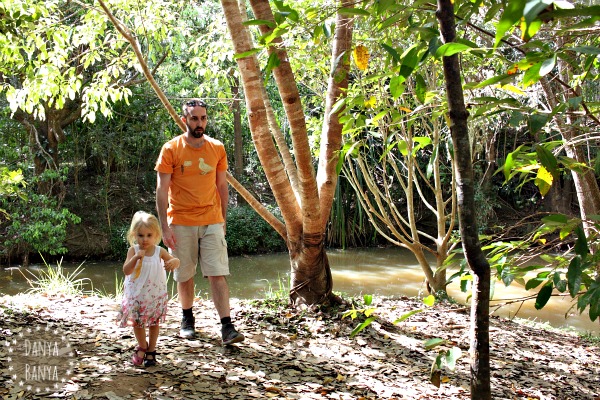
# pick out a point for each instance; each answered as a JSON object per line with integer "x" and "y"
{"x": 246, "y": 53}
{"x": 532, "y": 75}
{"x": 593, "y": 11}
{"x": 491, "y": 81}
{"x": 353, "y": 11}
{"x": 407, "y": 315}
{"x": 272, "y": 62}
{"x": 420, "y": 88}
{"x": 574, "y": 275}
{"x": 581, "y": 245}
{"x": 559, "y": 284}
{"x": 515, "y": 119}
{"x": 530, "y": 29}
{"x": 543, "y": 297}
{"x": 533, "y": 8}
{"x": 508, "y": 166}
{"x": 362, "y": 326}
{"x": 403, "y": 147}
{"x": 533, "y": 283}
{"x": 595, "y": 309}
{"x": 451, "y": 356}
{"x": 429, "y": 300}
{"x": 451, "y": 48}
{"x": 536, "y": 122}
{"x": 368, "y": 299}
{"x": 586, "y": 49}
{"x": 512, "y": 14}
{"x": 431, "y": 343}
{"x": 270, "y": 24}
{"x": 409, "y": 62}
{"x": 396, "y": 86}
{"x": 507, "y": 277}
{"x": 390, "y": 21}
{"x": 392, "y": 52}
{"x": 555, "y": 220}
{"x": 287, "y": 11}
{"x": 547, "y": 159}
{"x": 384, "y": 5}
{"x": 547, "y": 65}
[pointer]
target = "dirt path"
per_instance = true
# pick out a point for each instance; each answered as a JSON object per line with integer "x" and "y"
{"x": 71, "y": 348}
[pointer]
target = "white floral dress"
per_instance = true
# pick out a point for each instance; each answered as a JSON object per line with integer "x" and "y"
{"x": 145, "y": 293}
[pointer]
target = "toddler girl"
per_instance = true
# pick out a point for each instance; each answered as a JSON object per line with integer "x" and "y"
{"x": 145, "y": 290}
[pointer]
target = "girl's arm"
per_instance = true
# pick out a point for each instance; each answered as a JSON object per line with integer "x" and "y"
{"x": 170, "y": 262}
{"x": 132, "y": 260}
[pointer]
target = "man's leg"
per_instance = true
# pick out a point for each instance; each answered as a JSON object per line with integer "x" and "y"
{"x": 215, "y": 266}
{"x": 185, "y": 290}
{"x": 187, "y": 252}
{"x": 220, "y": 294}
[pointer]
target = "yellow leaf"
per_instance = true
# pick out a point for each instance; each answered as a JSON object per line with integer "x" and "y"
{"x": 408, "y": 110}
{"x": 361, "y": 57}
{"x": 543, "y": 180}
{"x": 445, "y": 379}
{"x": 340, "y": 378}
{"x": 371, "y": 102}
{"x": 512, "y": 88}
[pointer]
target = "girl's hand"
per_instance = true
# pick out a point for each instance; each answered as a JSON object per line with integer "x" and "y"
{"x": 171, "y": 264}
{"x": 140, "y": 254}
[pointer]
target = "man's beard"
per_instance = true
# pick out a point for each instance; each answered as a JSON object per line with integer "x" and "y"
{"x": 197, "y": 133}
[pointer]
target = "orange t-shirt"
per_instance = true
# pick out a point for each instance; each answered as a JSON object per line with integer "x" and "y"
{"x": 193, "y": 196}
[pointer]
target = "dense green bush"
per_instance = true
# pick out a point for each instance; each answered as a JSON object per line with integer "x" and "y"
{"x": 118, "y": 245}
{"x": 36, "y": 224}
{"x": 248, "y": 233}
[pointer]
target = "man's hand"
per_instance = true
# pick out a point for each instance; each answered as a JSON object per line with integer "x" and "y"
{"x": 169, "y": 238}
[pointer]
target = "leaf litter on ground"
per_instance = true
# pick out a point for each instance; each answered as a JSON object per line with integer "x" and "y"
{"x": 288, "y": 354}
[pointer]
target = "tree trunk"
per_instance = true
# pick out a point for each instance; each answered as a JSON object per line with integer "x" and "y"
{"x": 238, "y": 151}
{"x": 331, "y": 135}
{"x": 480, "y": 352}
{"x": 311, "y": 281}
{"x": 586, "y": 186}
{"x": 559, "y": 197}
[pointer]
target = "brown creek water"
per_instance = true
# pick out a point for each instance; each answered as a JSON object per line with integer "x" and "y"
{"x": 380, "y": 271}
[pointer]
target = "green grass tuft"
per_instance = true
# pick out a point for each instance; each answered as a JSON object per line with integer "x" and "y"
{"x": 55, "y": 281}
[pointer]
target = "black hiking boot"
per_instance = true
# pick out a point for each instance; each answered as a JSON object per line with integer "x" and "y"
{"x": 230, "y": 335}
{"x": 188, "y": 330}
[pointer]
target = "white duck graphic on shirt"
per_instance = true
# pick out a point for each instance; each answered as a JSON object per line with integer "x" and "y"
{"x": 204, "y": 167}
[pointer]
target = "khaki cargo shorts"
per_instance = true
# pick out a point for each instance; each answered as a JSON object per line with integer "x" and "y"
{"x": 205, "y": 243}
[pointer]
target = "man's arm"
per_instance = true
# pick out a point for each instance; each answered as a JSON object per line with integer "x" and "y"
{"x": 163, "y": 181}
{"x": 223, "y": 189}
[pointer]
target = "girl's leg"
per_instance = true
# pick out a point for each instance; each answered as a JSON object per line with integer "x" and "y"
{"x": 140, "y": 336}
{"x": 150, "y": 360}
{"x": 153, "y": 337}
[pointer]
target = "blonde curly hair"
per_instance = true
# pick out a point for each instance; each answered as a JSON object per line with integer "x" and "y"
{"x": 142, "y": 219}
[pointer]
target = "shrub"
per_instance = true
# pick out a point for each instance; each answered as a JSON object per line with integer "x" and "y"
{"x": 248, "y": 233}
{"x": 118, "y": 245}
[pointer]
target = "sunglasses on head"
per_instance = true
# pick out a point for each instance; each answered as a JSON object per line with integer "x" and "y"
{"x": 194, "y": 103}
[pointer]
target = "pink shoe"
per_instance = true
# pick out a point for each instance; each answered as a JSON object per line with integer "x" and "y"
{"x": 135, "y": 358}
